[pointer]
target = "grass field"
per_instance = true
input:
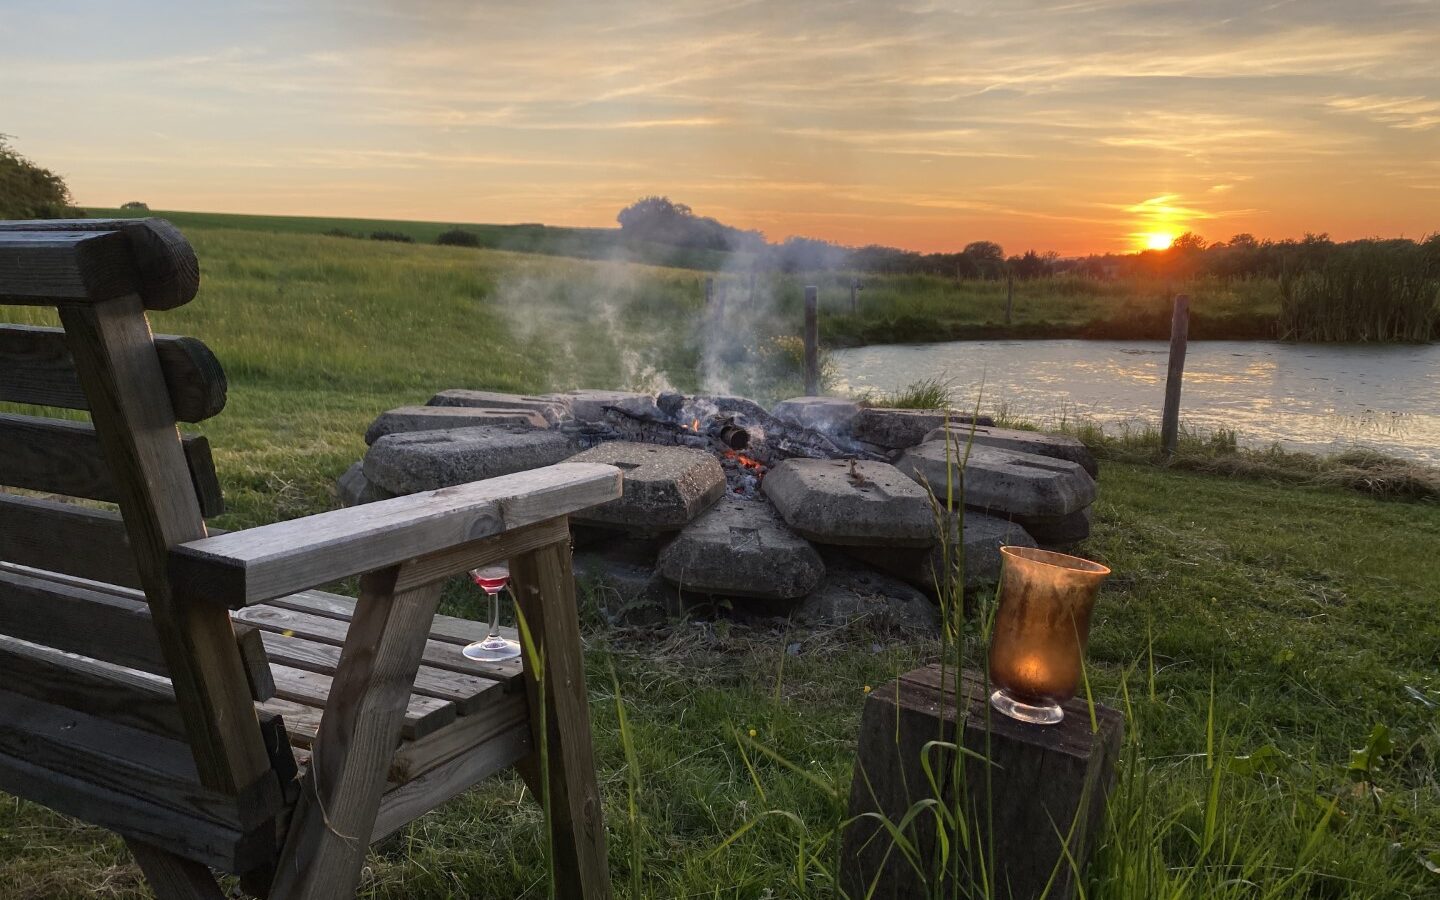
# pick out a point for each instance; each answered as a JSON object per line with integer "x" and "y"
{"x": 1257, "y": 633}
{"x": 892, "y": 308}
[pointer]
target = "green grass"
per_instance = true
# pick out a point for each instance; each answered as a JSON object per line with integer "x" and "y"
{"x": 1309, "y": 608}
{"x": 552, "y": 240}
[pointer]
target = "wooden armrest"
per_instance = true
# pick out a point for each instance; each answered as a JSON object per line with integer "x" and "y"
{"x": 242, "y": 568}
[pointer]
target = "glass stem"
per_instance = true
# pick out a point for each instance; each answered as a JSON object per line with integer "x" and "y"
{"x": 494, "y": 615}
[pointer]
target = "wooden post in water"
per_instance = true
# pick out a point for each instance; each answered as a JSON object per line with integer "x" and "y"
{"x": 1179, "y": 336}
{"x": 812, "y": 341}
{"x": 1009, "y": 294}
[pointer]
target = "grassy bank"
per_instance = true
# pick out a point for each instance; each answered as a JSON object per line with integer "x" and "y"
{"x": 1259, "y": 631}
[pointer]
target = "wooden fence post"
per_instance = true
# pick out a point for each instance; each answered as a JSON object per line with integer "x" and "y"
{"x": 1009, "y": 294}
{"x": 854, "y": 296}
{"x": 812, "y": 341}
{"x": 709, "y": 292}
{"x": 1179, "y": 336}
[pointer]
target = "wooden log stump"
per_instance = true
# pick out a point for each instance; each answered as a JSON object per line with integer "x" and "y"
{"x": 1044, "y": 788}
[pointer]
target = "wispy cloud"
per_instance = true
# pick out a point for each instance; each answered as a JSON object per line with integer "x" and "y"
{"x": 1070, "y": 125}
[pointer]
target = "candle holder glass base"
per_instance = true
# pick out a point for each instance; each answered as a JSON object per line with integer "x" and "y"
{"x": 1043, "y": 714}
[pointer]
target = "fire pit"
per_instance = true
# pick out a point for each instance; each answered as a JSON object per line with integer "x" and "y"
{"x": 738, "y": 492}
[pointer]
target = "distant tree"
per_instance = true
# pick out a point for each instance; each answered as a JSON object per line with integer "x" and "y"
{"x": 28, "y": 191}
{"x": 135, "y": 204}
{"x": 1030, "y": 265}
{"x": 662, "y": 220}
{"x": 1189, "y": 242}
{"x": 984, "y": 250}
{"x": 1242, "y": 241}
{"x": 458, "y": 237}
{"x": 397, "y": 236}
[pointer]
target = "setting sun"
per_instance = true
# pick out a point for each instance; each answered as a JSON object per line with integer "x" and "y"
{"x": 1158, "y": 240}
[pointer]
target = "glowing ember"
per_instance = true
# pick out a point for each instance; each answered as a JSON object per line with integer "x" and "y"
{"x": 695, "y": 425}
{"x": 745, "y": 461}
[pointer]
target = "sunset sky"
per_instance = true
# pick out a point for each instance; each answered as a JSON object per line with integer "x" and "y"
{"x": 1074, "y": 126}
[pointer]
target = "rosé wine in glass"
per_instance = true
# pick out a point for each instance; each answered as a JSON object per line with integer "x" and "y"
{"x": 492, "y": 580}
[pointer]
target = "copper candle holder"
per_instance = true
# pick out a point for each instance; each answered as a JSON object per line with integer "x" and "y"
{"x": 1041, "y": 628}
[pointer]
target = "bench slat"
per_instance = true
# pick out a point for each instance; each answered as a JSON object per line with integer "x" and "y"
{"x": 423, "y": 715}
{"x": 125, "y": 696}
{"x": 63, "y": 457}
{"x": 469, "y": 693}
{"x": 36, "y": 367}
{"x": 50, "y": 261}
{"x": 445, "y": 629}
{"x": 105, "y": 622}
{"x": 64, "y": 537}
{"x": 325, "y": 630}
{"x": 259, "y": 564}
{"x": 131, "y": 781}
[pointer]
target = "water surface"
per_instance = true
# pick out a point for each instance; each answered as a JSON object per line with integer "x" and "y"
{"x": 1314, "y": 397}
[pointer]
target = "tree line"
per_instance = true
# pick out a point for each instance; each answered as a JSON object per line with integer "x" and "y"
{"x": 660, "y": 220}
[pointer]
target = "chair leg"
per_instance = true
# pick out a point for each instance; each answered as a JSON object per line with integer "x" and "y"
{"x": 340, "y": 795}
{"x": 544, "y": 586}
{"x": 172, "y": 877}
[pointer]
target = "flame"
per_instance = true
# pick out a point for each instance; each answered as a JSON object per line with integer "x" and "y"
{"x": 746, "y": 461}
{"x": 695, "y": 425}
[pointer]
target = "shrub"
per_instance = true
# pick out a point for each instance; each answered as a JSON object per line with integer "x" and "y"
{"x": 136, "y": 204}
{"x": 391, "y": 236}
{"x": 28, "y": 191}
{"x": 340, "y": 232}
{"x": 458, "y": 237}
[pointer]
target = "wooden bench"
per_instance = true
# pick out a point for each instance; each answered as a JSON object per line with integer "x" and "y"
{"x": 192, "y": 691}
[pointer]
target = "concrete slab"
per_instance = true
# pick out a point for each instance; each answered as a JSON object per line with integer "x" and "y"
{"x": 665, "y": 487}
{"x": 852, "y": 592}
{"x": 830, "y": 415}
{"x": 742, "y": 548}
{"x": 431, "y": 418}
{"x": 851, "y": 502}
{"x": 589, "y": 406}
{"x": 1021, "y": 486}
{"x": 896, "y": 429}
{"x": 981, "y": 538}
{"x": 551, "y": 406}
{"x": 352, "y": 488}
{"x": 1057, "y": 446}
{"x": 1064, "y": 533}
{"x": 426, "y": 460}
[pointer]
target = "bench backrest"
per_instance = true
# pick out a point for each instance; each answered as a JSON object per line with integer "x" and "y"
{"x": 83, "y": 589}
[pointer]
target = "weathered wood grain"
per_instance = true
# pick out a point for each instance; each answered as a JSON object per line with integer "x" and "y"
{"x": 49, "y": 261}
{"x": 415, "y": 758}
{"x": 125, "y": 696}
{"x": 422, "y": 715}
{"x": 259, "y": 564}
{"x": 59, "y": 456}
{"x": 64, "y": 537}
{"x": 407, "y": 801}
{"x": 469, "y": 693}
{"x": 326, "y": 630}
{"x": 461, "y": 559}
{"x": 340, "y": 795}
{"x": 131, "y": 781}
{"x": 544, "y": 587}
{"x": 103, "y": 621}
{"x": 36, "y": 367}
{"x": 1027, "y": 790}
{"x": 173, "y": 877}
{"x": 131, "y": 411}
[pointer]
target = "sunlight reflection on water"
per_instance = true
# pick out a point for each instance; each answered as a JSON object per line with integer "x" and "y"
{"x": 1313, "y": 397}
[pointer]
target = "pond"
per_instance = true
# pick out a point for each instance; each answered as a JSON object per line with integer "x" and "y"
{"x": 1314, "y": 397}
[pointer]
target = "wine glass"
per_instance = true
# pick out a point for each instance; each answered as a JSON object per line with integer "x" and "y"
{"x": 492, "y": 580}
